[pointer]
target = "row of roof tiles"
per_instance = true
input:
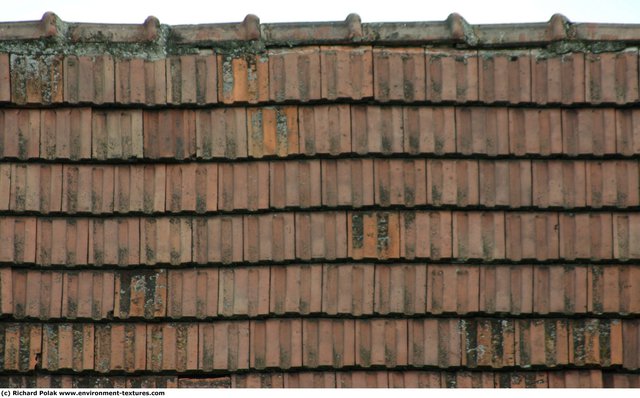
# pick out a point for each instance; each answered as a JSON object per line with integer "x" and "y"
{"x": 453, "y": 30}
{"x": 330, "y": 235}
{"x": 282, "y": 131}
{"x": 320, "y": 343}
{"x": 354, "y": 379}
{"x": 311, "y": 184}
{"x": 325, "y": 73}
{"x": 330, "y": 289}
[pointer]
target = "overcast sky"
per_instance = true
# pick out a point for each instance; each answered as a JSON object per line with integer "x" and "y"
{"x": 211, "y": 11}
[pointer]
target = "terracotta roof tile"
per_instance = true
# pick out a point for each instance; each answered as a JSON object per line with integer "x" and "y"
{"x": 21, "y": 346}
{"x": 68, "y": 347}
{"x": 89, "y": 79}
{"x": 143, "y": 294}
{"x": 347, "y": 72}
{"x": 557, "y": 78}
{"x": 243, "y": 78}
{"x": 310, "y": 380}
{"x": 117, "y": 134}
{"x": 294, "y": 289}
{"x": 140, "y": 81}
{"x": 326, "y": 204}
{"x": 192, "y": 293}
{"x": 223, "y": 346}
{"x": 120, "y": 347}
{"x": 348, "y": 289}
{"x": 452, "y": 75}
{"x": 402, "y": 289}
{"x": 329, "y": 342}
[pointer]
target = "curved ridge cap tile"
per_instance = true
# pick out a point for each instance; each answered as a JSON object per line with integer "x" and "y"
{"x": 248, "y": 29}
{"x": 460, "y": 29}
{"x": 117, "y": 33}
{"x": 607, "y": 32}
{"x": 524, "y": 33}
{"x": 558, "y": 27}
{"x": 408, "y": 32}
{"x": 535, "y": 32}
{"x": 314, "y": 32}
{"x": 47, "y": 26}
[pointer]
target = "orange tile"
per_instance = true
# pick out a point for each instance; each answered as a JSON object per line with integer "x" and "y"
{"x": 434, "y": 342}
{"x": 269, "y": 237}
{"x": 310, "y": 380}
{"x": 399, "y": 74}
{"x": 117, "y": 134}
{"x": 362, "y": 379}
{"x": 86, "y": 294}
{"x": 68, "y": 347}
{"x": 414, "y": 379}
{"x": 321, "y": 235}
{"x": 400, "y": 288}
{"x": 192, "y": 293}
{"x": 426, "y": 235}
{"x": 223, "y": 345}
{"x": 586, "y": 236}
{"x": 586, "y": 131}
{"x": 558, "y": 79}
{"x": 114, "y": 241}
{"x": 374, "y": 334}
{"x": 627, "y": 131}
{"x": 221, "y": 133}
{"x": 482, "y": 131}
{"x": 429, "y": 130}
{"x": 243, "y": 78}
{"x": 141, "y": 294}
{"x": 400, "y": 182}
{"x": 347, "y": 289}
{"x": 36, "y": 80}
{"x": 376, "y": 129}
{"x": 65, "y": 133}
{"x": 294, "y": 74}
{"x": 121, "y": 347}
{"x": 21, "y": 346}
{"x": 172, "y": 346}
{"x": 453, "y": 289}
{"x": 294, "y": 184}
{"x": 535, "y": 131}
{"x": 612, "y": 77}
{"x": 559, "y": 183}
{"x": 347, "y": 72}
{"x": 560, "y": 289}
{"x": 140, "y": 81}
{"x": 192, "y": 79}
{"x": 165, "y": 240}
{"x": 452, "y": 182}
{"x": 276, "y": 343}
{"x": 169, "y": 134}
{"x": 20, "y": 133}
{"x": 218, "y": 240}
{"x": 293, "y": 289}
{"x": 452, "y": 75}
{"x": 272, "y": 131}
{"x": 504, "y": 76}
{"x": 347, "y": 182}
{"x": 328, "y": 342}
{"x": 325, "y": 129}
{"x": 244, "y": 291}
{"x": 89, "y": 79}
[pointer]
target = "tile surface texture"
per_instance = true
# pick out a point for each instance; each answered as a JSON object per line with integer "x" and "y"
{"x": 336, "y": 204}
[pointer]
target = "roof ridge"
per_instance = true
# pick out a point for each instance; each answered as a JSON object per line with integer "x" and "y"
{"x": 453, "y": 30}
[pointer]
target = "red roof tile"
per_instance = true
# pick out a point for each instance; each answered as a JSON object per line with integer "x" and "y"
{"x": 330, "y": 204}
